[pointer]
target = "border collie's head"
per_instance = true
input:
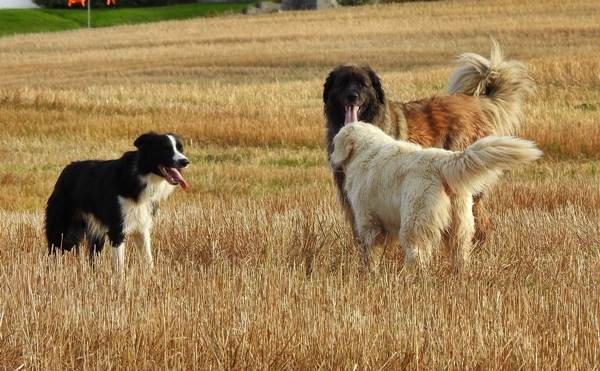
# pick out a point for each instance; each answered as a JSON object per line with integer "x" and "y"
{"x": 163, "y": 156}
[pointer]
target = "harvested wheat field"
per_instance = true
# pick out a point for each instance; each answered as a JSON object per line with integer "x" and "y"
{"x": 255, "y": 266}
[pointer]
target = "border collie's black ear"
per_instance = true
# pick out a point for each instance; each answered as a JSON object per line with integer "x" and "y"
{"x": 143, "y": 139}
{"x": 376, "y": 83}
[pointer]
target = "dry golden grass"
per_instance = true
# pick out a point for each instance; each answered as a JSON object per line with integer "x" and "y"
{"x": 255, "y": 266}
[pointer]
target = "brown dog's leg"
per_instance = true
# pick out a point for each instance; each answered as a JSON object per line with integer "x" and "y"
{"x": 339, "y": 178}
{"x": 349, "y": 214}
{"x": 482, "y": 221}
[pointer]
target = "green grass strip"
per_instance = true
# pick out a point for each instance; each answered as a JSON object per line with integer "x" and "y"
{"x": 24, "y": 21}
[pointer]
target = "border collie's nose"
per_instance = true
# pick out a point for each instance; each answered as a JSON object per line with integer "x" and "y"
{"x": 184, "y": 162}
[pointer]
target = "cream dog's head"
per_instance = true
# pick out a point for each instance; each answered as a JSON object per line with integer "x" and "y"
{"x": 353, "y": 138}
{"x": 343, "y": 148}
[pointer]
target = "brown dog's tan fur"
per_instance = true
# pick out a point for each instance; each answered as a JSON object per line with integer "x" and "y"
{"x": 485, "y": 98}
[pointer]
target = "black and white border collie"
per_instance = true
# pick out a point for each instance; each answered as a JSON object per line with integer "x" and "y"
{"x": 115, "y": 198}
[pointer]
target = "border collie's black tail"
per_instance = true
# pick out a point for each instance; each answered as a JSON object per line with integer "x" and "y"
{"x": 65, "y": 227}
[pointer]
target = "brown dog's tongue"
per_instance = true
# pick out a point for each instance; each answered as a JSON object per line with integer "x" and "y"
{"x": 351, "y": 115}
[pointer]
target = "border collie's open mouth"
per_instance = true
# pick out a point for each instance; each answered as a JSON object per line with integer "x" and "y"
{"x": 351, "y": 114}
{"x": 173, "y": 176}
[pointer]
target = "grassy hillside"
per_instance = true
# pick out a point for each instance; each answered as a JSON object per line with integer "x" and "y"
{"x": 24, "y": 21}
{"x": 256, "y": 267}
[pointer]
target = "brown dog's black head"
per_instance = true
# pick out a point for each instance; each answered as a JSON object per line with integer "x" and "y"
{"x": 352, "y": 85}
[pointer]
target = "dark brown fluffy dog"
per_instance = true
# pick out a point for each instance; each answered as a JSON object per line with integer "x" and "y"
{"x": 484, "y": 98}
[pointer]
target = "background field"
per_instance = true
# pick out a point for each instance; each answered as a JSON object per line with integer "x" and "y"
{"x": 256, "y": 268}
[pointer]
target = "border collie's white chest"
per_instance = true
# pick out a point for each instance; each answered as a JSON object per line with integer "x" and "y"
{"x": 137, "y": 215}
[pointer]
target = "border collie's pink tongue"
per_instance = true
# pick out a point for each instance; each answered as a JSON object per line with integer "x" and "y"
{"x": 173, "y": 176}
{"x": 351, "y": 115}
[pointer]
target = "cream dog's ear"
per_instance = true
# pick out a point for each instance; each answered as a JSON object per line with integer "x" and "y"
{"x": 343, "y": 146}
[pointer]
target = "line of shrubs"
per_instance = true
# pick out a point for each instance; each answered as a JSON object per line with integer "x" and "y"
{"x": 119, "y": 3}
{"x": 148, "y": 3}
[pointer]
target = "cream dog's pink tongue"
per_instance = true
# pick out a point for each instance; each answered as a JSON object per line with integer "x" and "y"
{"x": 351, "y": 115}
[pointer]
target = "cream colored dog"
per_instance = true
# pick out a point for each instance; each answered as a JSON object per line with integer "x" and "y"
{"x": 421, "y": 197}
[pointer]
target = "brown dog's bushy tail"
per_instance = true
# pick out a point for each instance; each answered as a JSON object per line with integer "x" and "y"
{"x": 481, "y": 163}
{"x": 505, "y": 84}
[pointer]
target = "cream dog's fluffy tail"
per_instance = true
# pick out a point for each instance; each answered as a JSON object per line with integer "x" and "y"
{"x": 481, "y": 163}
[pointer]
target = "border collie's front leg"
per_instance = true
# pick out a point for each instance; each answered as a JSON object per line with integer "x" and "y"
{"x": 117, "y": 252}
{"x": 142, "y": 241}
{"x": 117, "y": 257}
{"x": 95, "y": 246}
